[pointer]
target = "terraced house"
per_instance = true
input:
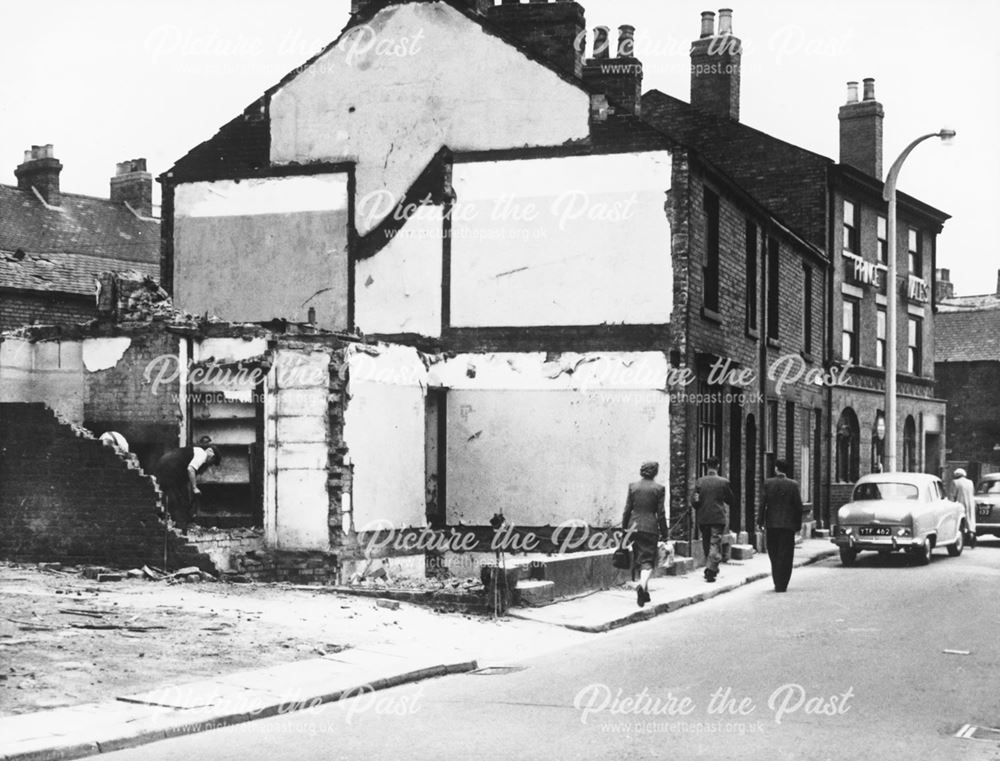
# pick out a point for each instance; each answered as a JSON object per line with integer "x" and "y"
{"x": 552, "y": 289}
{"x": 837, "y": 207}
{"x": 54, "y": 244}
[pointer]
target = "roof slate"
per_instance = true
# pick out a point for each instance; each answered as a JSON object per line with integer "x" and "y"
{"x": 62, "y": 272}
{"x": 81, "y": 224}
{"x": 783, "y": 177}
{"x": 964, "y": 334}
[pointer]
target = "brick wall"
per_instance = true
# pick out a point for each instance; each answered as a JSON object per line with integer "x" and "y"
{"x": 725, "y": 335}
{"x": 65, "y": 496}
{"x": 339, "y": 475}
{"x": 121, "y": 398}
{"x": 973, "y": 393}
{"x": 18, "y": 308}
{"x": 549, "y": 30}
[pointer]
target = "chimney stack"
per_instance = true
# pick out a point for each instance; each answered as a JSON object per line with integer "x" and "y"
{"x": 368, "y": 8}
{"x": 133, "y": 185}
{"x": 943, "y": 287}
{"x": 619, "y": 79}
{"x": 40, "y": 170}
{"x": 861, "y": 130}
{"x": 998, "y": 282}
{"x": 552, "y": 30}
{"x": 715, "y": 67}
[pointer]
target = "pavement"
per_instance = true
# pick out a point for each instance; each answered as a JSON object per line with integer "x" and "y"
{"x": 613, "y": 608}
{"x": 179, "y": 709}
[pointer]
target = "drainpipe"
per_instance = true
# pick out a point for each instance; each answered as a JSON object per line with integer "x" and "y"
{"x": 828, "y": 360}
{"x": 762, "y": 369}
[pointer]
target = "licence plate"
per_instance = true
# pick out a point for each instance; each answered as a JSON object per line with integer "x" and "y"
{"x": 875, "y": 531}
{"x": 982, "y": 511}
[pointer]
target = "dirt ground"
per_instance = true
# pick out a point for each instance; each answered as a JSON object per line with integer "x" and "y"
{"x": 66, "y": 640}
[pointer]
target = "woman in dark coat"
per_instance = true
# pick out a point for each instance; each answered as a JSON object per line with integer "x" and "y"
{"x": 646, "y": 519}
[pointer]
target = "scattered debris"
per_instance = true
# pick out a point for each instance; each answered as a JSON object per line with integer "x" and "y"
{"x": 50, "y": 566}
{"x": 110, "y": 577}
{"x": 957, "y": 652}
{"x": 390, "y": 604}
{"x": 189, "y": 574}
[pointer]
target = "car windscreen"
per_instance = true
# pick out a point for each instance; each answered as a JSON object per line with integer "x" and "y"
{"x": 989, "y": 487}
{"x": 887, "y": 490}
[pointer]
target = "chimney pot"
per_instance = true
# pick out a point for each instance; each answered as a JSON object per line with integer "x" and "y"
{"x": 725, "y": 21}
{"x": 622, "y": 84}
{"x": 626, "y": 41}
{"x": 708, "y": 23}
{"x": 40, "y": 170}
{"x": 602, "y": 42}
{"x": 132, "y": 184}
{"x": 715, "y": 68}
{"x": 998, "y": 282}
{"x": 861, "y": 130}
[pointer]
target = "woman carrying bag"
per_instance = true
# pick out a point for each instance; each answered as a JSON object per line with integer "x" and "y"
{"x": 646, "y": 520}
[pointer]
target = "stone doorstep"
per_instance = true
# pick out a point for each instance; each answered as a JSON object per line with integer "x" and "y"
{"x": 533, "y": 593}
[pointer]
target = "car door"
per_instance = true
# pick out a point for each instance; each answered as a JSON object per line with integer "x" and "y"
{"x": 946, "y": 512}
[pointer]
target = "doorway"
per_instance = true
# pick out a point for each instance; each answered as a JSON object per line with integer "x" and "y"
{"x": 735, "y": 464}
{"x": 750, "y": 475}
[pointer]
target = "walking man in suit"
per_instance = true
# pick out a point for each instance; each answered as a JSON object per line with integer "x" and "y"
{"x": 645, "y": 517}
{"x": 712, "y": 497}
{"x": 781, "y": 515}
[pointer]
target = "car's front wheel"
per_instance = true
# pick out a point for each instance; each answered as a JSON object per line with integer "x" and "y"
{"x": 848, "y": 556}
{"x": 922, "y": 555}
{"x": 956, "y": 549}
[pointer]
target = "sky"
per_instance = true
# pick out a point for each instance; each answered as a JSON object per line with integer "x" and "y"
{"x": 109, "y": 80}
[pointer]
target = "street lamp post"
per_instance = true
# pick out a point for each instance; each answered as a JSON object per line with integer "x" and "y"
{"x": 889, "y": 194}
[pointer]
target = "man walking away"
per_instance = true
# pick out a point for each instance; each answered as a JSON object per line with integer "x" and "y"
{"x": 645, "y": 517}
{"x": 964, "y": 492}
{"x": 712, "y": 497}
{"x": 781, "y": 515}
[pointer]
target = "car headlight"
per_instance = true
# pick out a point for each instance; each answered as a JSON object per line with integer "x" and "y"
{"x": 904, "y": 531}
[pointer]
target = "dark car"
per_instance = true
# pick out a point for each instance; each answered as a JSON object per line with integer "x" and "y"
{"x": 988, "y": 505}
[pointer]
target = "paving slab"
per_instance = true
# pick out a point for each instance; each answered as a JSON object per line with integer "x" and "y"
{"x": 614, "y": 608}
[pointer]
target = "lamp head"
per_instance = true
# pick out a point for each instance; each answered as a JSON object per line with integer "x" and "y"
{"x": 946, "y": 135}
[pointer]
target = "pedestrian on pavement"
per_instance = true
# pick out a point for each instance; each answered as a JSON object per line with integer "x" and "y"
{"x": 176, "y": 472}
{"x": 712, "y": 497}
{"x": 962, "y": 493}
{"x": 781, "y": 516}
{"x": 645, "y": 519}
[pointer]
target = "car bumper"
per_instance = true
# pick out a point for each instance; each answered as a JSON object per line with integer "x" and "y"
{"x": 879, "y": 543}
{"x": 987, "y": 528}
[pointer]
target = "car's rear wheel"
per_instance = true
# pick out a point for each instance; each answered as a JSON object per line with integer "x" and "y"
{"x": 848, "y": 556}
{"x": 956, "y": 549}
{"x": 922, "y": 555}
